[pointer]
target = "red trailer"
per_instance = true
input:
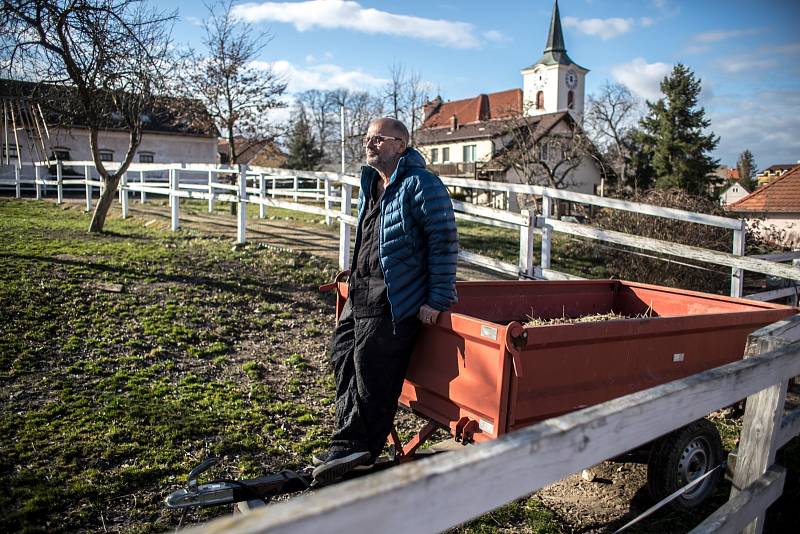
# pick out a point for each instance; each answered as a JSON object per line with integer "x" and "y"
{"x": 481, "y": 373}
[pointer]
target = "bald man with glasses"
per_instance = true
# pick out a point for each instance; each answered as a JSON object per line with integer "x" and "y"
{"x": 403, "y": 273}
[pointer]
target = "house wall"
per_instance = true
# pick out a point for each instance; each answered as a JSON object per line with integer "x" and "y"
{"x": 165, "y": 148}
{"x": 585, "y": 178}
{"x": 732, "y": 194}
{"x": 786, "y": 222}
{"x": 484, "y": 149}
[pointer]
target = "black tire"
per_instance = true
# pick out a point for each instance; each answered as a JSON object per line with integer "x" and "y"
{"x": 682, "y": 456}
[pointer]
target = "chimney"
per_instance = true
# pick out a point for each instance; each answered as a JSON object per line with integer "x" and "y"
{"x": 429, "y": 108}
{"x": 453, "y": 123}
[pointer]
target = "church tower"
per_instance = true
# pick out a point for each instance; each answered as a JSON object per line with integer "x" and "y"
{"x": 555, "y": 82}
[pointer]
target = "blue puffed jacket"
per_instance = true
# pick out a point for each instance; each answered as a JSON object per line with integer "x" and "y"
{"x": 418, "y": 238}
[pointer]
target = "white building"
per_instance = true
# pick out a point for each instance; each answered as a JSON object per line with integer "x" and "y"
{"x": 733, "y": 193}
{"x": 29, "y": 135}
{"x": 467, "y": 138}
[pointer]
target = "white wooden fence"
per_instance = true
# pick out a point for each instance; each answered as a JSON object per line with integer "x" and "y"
{"x": 269, "y": 187}
{"x": 436, "y": 493}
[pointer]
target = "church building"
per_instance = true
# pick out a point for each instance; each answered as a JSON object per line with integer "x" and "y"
{"x": 475, "y": 137}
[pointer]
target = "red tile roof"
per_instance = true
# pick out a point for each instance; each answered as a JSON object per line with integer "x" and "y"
{"x": 480, "y": 108}
{"x": 781, "y": 195}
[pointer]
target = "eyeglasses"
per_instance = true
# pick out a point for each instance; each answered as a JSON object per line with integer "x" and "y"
{"x": 378, "y": 140}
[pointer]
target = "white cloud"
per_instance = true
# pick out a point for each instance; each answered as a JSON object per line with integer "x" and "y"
{"x": 322, "y": 76}
{"x": 496, "y": 36}
{"x": 603, "y": 28}
{"x": 721, "y": 35}
{"x": 646, "y": 21}
{"x": 642, "y": 78}
{"x": 347, "y": 14}
{"x": 736, "y": 64}
{"x": 771, "y": 132}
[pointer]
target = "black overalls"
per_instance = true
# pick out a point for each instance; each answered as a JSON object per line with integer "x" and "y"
{"x": 369, "y": 354}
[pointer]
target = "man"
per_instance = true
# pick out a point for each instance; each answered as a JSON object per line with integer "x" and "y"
{"x": 403, "y": 272}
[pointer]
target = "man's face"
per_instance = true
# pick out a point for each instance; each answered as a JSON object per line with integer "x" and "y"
{"x": 383, "y": 146}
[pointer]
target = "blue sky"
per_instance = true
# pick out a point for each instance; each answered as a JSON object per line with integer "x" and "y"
{"x": 746, "y": 53}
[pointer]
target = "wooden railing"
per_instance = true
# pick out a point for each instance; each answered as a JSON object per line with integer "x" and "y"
{"x": 269, "y": 187}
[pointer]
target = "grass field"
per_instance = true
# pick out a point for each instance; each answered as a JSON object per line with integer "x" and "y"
{"x": 128, "y": 357}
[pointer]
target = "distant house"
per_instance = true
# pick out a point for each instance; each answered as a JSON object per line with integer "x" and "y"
{"x": 777, "y": 203}
{"x": 468, "y": 138}
{"x": 732, "y": 193}
{"x": 773, "y": 171}
{"x": 166, "y": 137}
{"x": 257, "y": 152}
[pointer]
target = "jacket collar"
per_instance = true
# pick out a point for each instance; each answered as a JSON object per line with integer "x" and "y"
{"x": 410, "y": 159}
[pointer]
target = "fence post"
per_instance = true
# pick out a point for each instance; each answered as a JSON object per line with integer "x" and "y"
{"x": 317, "y": 196}
{"x": 344, "y": 228}
{"x": 526, "y": 245}
{"x": 87, "y": 176}
{"x": 262, "y": 208}
{"x": 274, "y": 186}
{"x": 60, "y": 181}
{"x": 327, "y": 200}
{"x": 17, "y": 183}
{"x": 762, "y": 417}
{"x": 295, "y": 186}
{"x": 210, "y": 192}
{"x": 173, "y": 199}
{"x": 547, "y": 230}
{"x": 123, "y": 194}
{"x": 241, "y": 226}
{"x": 37, "y": 181}
{"x": 737, "y": 275}
{"x": 142, "y": 194}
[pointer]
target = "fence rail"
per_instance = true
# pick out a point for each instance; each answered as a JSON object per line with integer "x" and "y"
{"x": 267, "y": 187}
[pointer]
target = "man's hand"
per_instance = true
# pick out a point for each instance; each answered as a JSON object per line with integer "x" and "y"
{"x": 427, "y": 314}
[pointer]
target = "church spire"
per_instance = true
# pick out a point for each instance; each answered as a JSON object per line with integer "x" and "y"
{"x": 555, "y": 52}
{"x": 555, "y": 39}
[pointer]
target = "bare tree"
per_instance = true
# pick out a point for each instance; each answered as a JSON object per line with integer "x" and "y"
{"x": 611, "y": 118}
{"x": 417, "y": 93}
{"x": 395, "y": 90}
{"x": 237, "y": 93}
{"x": 99, "y": 63}
{"x": 321, "y": 110}
{"x": 543, "y": 150}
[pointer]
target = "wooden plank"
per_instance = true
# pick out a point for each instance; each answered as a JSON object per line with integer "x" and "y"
{"x": 675, "y": 249}
{"x": 488, "y": 263}
{"x": 433, "y": 494}
{"x": 738, "y": 512}
{"x": 550, "y": 274}
{"x": 488, "y": 222}
{"x": 766, "y": 296}
{"x": 490, "y": 213}
{"x": 605, "y": 202}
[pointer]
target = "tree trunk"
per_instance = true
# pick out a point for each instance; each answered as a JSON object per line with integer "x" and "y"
{"x": 104, "y": 204}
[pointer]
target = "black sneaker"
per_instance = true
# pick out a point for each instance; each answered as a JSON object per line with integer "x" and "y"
{"x": 321, "y": 457}
{"x": 337, "y": 463}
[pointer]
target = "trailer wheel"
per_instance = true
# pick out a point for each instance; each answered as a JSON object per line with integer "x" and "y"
{"x": 681, "y": 457}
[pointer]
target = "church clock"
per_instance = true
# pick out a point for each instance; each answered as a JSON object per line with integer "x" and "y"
{"x": 571, "y": 79}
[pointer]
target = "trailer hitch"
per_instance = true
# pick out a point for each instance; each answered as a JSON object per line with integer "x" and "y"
{"x": 227, "y": 491}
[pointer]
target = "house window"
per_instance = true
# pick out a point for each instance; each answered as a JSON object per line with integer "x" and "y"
{"x": 544, "y": 152}
{"x": 434, "y": 155}
{"x": 445, "y": 154}
{"x": 106, "y": 155}
{"x": 571, "y": 100}
{"x": 10, "y": 151}
{"x": 469, "y": 153}
{"x": 60, "y": 153}
{"x": 540, "y": 100}
{"x": 145, "y": 157}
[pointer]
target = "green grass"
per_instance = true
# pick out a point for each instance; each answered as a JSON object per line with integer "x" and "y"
{"x": 108, "y": 399}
